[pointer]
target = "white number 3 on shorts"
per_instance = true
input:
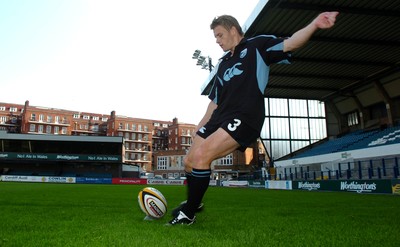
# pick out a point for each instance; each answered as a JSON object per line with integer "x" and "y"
{"x": 233, "y": 127}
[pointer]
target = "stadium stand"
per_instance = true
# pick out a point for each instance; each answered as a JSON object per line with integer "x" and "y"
{"x": 356, "y": 140}
{"x": 355, "y": 76}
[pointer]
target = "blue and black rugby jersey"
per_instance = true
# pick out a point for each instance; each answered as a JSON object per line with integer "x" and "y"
{"x": 240, "y": 80}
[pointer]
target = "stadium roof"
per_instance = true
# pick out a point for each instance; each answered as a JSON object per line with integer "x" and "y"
{"x": 16, "y": 136}
{"x": 363, "y": 46}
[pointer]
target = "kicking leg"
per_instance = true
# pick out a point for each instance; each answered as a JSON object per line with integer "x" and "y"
{"x": 197, "y": 162}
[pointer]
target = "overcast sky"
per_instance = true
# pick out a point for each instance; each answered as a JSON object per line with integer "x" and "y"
{"x": 134, "y": 57}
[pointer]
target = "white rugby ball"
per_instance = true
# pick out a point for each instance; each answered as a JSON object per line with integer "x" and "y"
{"x": 152, "y": 202}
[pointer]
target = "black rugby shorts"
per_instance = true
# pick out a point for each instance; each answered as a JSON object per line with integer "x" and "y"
{"x": 237, "y": 129}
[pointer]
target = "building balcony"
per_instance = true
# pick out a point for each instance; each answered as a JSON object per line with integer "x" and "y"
{"x": 61, "y": 123}
{"x": 134, "y": 131}
{"x": 8, "y": 124}
{"x": 136, "y": 150}
{"x": 138, "y": 160}
{"x": 138, "y": 141}
{"x": 87, "y": 132}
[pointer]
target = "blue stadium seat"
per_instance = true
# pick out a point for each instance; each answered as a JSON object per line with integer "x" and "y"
{"x": 356, "y": 140}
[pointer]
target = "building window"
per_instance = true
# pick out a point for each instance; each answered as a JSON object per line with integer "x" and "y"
{"x": 48, "y": 129}
{"x": 57, "y": 119}
{"x": 49, "y": 119}
{"x": 64, "y": 130}
{"x": 104, "y": 119}
{"x": 13, "y": 109}
{"x": 227, "y": 160}
{"x": 40, "y": 129}
{"x": 56, "y": 130}
{"x": 32, "y": 127}
{"x": 76, "y": 116}
{"x": 352, "y": 119}
{"x": 2, "y": 108}
{"x": 96, "y": 118}
{"x": 33, "y": 117}
{"x": 86, "y": 117}
{"x": 162, "y": 163}
{"x": 41, "y": 117}
{"x": 291, "y": 124}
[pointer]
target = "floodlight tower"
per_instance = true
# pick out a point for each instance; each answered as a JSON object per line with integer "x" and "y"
{"x": 204, "y": 61}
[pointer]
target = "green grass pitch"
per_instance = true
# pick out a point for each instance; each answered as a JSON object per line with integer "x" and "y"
{"x": 41, "y": 214}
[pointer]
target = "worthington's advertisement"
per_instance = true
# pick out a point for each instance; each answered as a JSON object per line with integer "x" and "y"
{"x": 309, "y": 185}
{"x": 358, "y": 186}
{"x": 57, "y": 157}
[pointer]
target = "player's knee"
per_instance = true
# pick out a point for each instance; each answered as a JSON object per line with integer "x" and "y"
{"x": 187, "y": 164}
{"x": 197, "y": 159}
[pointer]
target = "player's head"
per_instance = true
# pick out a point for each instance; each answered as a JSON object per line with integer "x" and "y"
{"x": 227, "y": 22}
{"x": 227, "y": 32}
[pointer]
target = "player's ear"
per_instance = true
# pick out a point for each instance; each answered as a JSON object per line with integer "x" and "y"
{"x": 233, "y": 31}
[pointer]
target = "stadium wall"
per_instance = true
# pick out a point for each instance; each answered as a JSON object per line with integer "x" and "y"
{"x": 379, "y": 186}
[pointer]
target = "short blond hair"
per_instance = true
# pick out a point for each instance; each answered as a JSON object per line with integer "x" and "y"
{"x": 227, "y": 22}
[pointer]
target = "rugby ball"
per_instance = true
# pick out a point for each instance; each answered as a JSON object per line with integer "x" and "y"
{"x": 152, "y": 202}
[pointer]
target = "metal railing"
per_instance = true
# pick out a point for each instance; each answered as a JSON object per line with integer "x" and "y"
{"x": 383, "y": 168}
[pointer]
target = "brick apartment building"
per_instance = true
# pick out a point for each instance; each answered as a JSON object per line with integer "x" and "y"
{"x": 152, "y": 145}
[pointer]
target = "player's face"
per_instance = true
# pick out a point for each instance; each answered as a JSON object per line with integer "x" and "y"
{"x": 224, "y": 38}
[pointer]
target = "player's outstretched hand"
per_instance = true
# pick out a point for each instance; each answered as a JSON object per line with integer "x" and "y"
{"x": 325, "y": 20}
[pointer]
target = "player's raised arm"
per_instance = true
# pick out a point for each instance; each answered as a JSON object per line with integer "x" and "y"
{"x": 323, "y": 21}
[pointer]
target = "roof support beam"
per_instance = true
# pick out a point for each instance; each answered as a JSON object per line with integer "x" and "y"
{"x": 341, "y": 61}
{"x": 315, "y": 76}
{"x": 386, "y": 98}
{"x": 325, "y": 7}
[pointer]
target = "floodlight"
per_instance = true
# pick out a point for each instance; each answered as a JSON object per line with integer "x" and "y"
{"x": 196, "y": 54}
{"x": 201, "y": 60}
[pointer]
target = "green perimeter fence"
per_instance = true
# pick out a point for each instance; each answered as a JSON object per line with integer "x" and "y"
{"x": 380, "y": 186}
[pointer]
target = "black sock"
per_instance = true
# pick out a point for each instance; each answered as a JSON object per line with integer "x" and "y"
{"x": 189, "y": 178}
{"x": 198, "y": 186}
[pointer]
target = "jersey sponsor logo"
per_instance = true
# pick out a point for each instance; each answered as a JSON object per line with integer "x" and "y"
{"x": 231, "y": 72}
{"x": 233, "y": 126}
{"x": 202, "y": 129}
{"x": 243, "y": 53}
